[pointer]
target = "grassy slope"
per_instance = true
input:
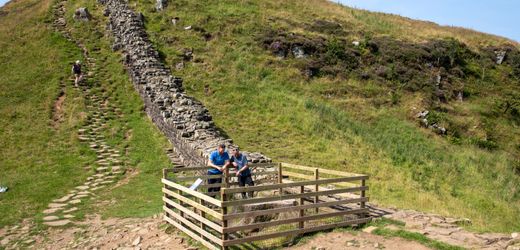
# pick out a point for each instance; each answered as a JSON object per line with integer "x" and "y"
{"x": 266, "y": 105}
{"x": 145, "y": 144}
{"x": 39, "y": 163}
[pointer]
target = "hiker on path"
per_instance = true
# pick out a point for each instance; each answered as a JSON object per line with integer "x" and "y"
{"x": 239, "y": 161}
{"x": 76, "y": 70}
{"x": 218, "y": 161}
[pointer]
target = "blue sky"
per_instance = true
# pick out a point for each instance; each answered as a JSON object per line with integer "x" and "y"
{"x": 497, "y": 17}
{"x": 2, "y": 2}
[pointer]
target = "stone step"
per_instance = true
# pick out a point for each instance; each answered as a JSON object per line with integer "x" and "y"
{"x": 50, "y": 218}
{"x": 57, "y": 223}
{"x": 56, "y": 205}
{"x": 73, "y": 209}
{"x": 101, "y": 169}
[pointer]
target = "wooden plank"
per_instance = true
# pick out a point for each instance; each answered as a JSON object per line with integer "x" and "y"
{"x": 204, "y": 177}
{"x": 193, "y": 226}
{"x": 189, "y": 169}
{"x": 191, "y": 234}
{"x": 293, "y": 220}
{"x": 322, "y": 170}
{"x": 292, "y": 184}
{"x": 302, "y": 211}
{"x": 193, "y": 214}
{"x": 193, "y": 204}
{"x": 292, "y": 196}
{"x": 292, "y": 208}
{"x": 192, "y": 192}
{"x": 294, "y": 232}
{"x": 316, "y": 189}
{"x": 224, "y": 212}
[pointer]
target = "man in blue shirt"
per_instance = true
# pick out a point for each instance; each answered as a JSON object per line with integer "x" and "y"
{"x": 239, "y": 161}
{"x": 218, "y": 161}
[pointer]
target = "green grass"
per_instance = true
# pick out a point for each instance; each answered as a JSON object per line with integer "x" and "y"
{"x": 38, "y": 163}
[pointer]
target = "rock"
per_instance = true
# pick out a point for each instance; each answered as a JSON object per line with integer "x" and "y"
{"x": 52, "y": 210}
{"x": 355, "y": 43}
{"x": 175, "y": 20}
{"x": 51, "y": 217}
{"x": 187, "y": 28}
{"x": 160, "y": 4}
{"x": 82, "y": 14}
{"x": 422, "y": 114}
{"x": 298, "y": 52}
{"x": 56, "y": 205}
{"x": 4, "y": 242}
{"x": 515, "y": 235}
{"x": 76, "y": 201}
{"x": 369, "y": 229}
{"x": 500, "y": 56}
{"x": 136, "y": 241}
{"x": 68, "y": 216}
{"x": 57, "y": 223}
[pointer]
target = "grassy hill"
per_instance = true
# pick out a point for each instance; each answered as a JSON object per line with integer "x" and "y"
{"x": 285, "y": 78}
{"x": 339, "y": 106}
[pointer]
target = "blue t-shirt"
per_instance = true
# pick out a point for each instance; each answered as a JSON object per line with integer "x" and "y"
{"x": 218, "y": 160}
{"x": 241, "y": 161}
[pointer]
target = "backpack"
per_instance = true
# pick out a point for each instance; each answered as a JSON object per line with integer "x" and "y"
{"x": 77, "y": 69}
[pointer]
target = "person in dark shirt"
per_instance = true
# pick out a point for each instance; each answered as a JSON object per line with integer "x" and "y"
{"x": 76, "y": 70}
{"x": 239, "y": 161}
{"x": 218, "y": 161}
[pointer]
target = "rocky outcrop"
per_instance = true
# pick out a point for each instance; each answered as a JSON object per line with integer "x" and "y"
{"x": 184, "y": 120}
{"x": 82, "y": 14}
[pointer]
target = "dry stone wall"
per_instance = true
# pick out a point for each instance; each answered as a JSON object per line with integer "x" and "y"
{"x": 184, "y": 120}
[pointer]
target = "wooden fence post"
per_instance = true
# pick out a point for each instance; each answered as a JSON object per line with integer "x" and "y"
{"x": 165, "y": 174}
{"x": 224, "y": 221}
{"x": 280, "y": 178}
{"x": 363, "y": 194}
{"x": 302, "y": 211}
{"x": 316, "y": 199}
{"x": 226, "y": 177}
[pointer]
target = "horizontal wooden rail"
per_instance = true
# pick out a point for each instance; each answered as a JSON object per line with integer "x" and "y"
{"x": 191, "y": 234}
{"x": 292, "y": 196}
{"x": 193, "y": 203}
{"x": 192, "y": 192}
{"x": 193, "y": 214}
{"x": 292, "y": 208}
{"x": 294, "y": 232}
{"x": 193, "y": 226}
{"x": 292, "y": 184}
{"x": 294, "y": 220}
{"x": 324, "y": 171}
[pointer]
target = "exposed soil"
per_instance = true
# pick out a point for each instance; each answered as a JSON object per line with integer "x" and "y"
{"x": 346, "y": 240}
{"x": 57, "y": 110}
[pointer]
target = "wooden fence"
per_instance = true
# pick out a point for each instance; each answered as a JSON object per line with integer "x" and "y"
{"x": 288, "y": 200}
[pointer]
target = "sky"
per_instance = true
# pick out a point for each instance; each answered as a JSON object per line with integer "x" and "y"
{"x": 497, "y": 17}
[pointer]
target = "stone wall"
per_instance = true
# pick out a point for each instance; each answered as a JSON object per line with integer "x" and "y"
{"x": 184, "y": 120}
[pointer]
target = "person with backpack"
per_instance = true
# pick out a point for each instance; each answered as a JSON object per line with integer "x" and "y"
{"x": 76, "y": 70}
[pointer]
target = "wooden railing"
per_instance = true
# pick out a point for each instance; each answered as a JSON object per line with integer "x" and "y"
{"x": 295, "y": 199}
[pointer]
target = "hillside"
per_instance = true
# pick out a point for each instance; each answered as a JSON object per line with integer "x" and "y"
{"x": 287, "y": 80}
{"x": 304, "y": 81}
